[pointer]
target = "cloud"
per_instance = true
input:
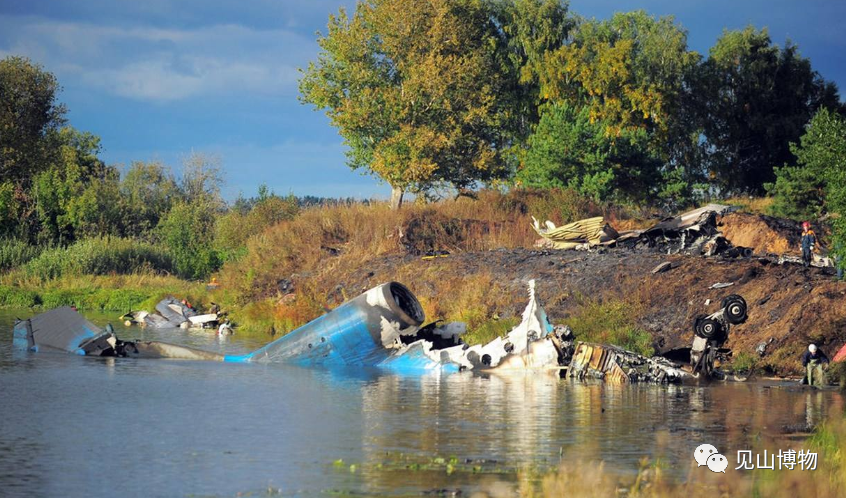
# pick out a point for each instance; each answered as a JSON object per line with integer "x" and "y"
{"x": 163, "y": 65}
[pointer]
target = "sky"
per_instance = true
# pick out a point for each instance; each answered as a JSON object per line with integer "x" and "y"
{"x": 158, "y": 80}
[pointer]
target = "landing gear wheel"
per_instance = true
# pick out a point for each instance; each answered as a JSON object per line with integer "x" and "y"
{"x": 697, "y": 321}
{"x": 708, "y": 328}
{"x": 735, "y": 309}
{"x": 732, "y": 297}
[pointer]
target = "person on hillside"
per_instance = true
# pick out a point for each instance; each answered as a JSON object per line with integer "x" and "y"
{"x": 813, "y": 360}
{"x": 808, "y": 241}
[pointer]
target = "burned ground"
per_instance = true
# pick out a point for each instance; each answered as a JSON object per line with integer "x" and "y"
{"x": 789, "y": 304}
{"x": 482, "y": 280}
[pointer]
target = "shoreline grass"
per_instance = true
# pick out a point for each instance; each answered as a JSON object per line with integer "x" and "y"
{"x": 591, "y": 479}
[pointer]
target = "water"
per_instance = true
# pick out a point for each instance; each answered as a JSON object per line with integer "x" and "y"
{"x": 75, "y": 426}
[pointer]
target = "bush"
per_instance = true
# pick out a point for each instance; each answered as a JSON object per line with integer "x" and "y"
{"x": 15, "y": 253}
{"x": 99, "y": 256}
{"x": 610, "y": 322}
{"x": 234, "y": 228}
{"x": 13, "y": 297}
{"x": 188, "y": 231}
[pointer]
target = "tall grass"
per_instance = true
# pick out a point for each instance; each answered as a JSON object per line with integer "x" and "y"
{"x": 336, "y": 238}
{"x": 15, "y": 253}
{"x": 585, "y": 479}
{"x": 98, "y": 256}
{"x": 120, "y": 293}
{"x": 610, "y": 322}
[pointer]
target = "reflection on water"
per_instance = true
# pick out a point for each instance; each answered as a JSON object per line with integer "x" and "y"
{"x": 73, "y": 426}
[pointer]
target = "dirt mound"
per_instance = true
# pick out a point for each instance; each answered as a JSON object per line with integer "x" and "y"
{"x": 763, "y": 234}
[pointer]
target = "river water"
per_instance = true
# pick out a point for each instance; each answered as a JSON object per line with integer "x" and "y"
{"x": 76, "y": 426}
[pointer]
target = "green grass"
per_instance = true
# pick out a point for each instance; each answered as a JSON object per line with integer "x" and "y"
{"x": 743, "y": 362}
{"x": 98, "y": 256}
{"x": 610, "y": 322}
{"x": 119, "y": 293}
{"x": 489, "y": 330}
{"x": 14, "y": 253}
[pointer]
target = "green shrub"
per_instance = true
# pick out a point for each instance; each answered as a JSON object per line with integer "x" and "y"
{"x": 490, "y": 330}
{"x": 610, "y": 322}
{"x": 743, "y": 363}
{"x": 13, "y": 297}
{"x": 15, "y": 253}
{"x": 99, "y": 256}
{"x": 188, "y": 232}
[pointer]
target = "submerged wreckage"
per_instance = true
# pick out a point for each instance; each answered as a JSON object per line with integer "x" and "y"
{"x": 383, "y": 328}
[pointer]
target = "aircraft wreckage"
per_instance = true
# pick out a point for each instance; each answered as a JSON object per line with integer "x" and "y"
{"x": 383, "y": 328}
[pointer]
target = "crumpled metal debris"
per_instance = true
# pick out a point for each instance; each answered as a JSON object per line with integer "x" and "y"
{"x": 661, "y": 268}
{"x": 615, "y": 365}
{"x": 582, "y": 234}
{"x": 63, "y": 329}
{"x": 171, "y": 313}
{"x": 721, "y": 285}
{"x": 816, "y": 260}
{"x": 761, "y": 349}
{"x": 694, "y": 232}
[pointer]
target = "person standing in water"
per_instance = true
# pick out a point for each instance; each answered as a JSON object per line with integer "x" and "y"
{"x": 813, "y": 360}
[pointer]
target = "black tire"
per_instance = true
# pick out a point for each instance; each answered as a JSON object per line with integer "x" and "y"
{"x": 697, "y": 321}
{"x": 732, "y": 297}
{"x": 709, "y": 328}
{"x": 735, "y": 309}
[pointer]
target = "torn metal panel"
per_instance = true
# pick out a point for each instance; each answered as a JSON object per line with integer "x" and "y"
{"x": 174, "y": 311}
{"x": 692, "y": 219}
{"x": 583, "y": 233}
{"x": 816, "y": 260}
{"x": 615, "y": 365}
{"x": 63, "y": 329}
{"x": 527, "y": 346}
{"x": 60, "y": 329}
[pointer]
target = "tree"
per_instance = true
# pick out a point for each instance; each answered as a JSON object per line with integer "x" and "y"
{"x": 249, "y": 218}
{"x": 148, "y": 191}
{"x": 202, "y": 177}
{"x": 569, "y": 150}
{"x": 629, "y": 71}
{"x": 62, "y": 204}
{"x": 29, "y": 118}
{"x": 609, "y": 101}
{"x": 188, "y": 233}
{"x": 814, "y": 185}
{"x": 756, "y": 99}
{"x": 530, "y": 30}
{"x": 413, "y": 88}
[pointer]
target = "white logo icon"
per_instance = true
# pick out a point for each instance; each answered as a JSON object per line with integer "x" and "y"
{"x": 703, "y": 451}
{"x": 707, "y": 454}
{"x": 717, "y": 463}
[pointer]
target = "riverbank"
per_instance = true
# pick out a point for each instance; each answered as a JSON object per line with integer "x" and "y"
{"x": 469, "y": 260}
{"x": 827, "y": 478}
{"x": 113, "y": 293}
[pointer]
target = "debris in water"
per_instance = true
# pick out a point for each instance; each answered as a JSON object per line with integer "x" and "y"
{"x": 63, "y": 329}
